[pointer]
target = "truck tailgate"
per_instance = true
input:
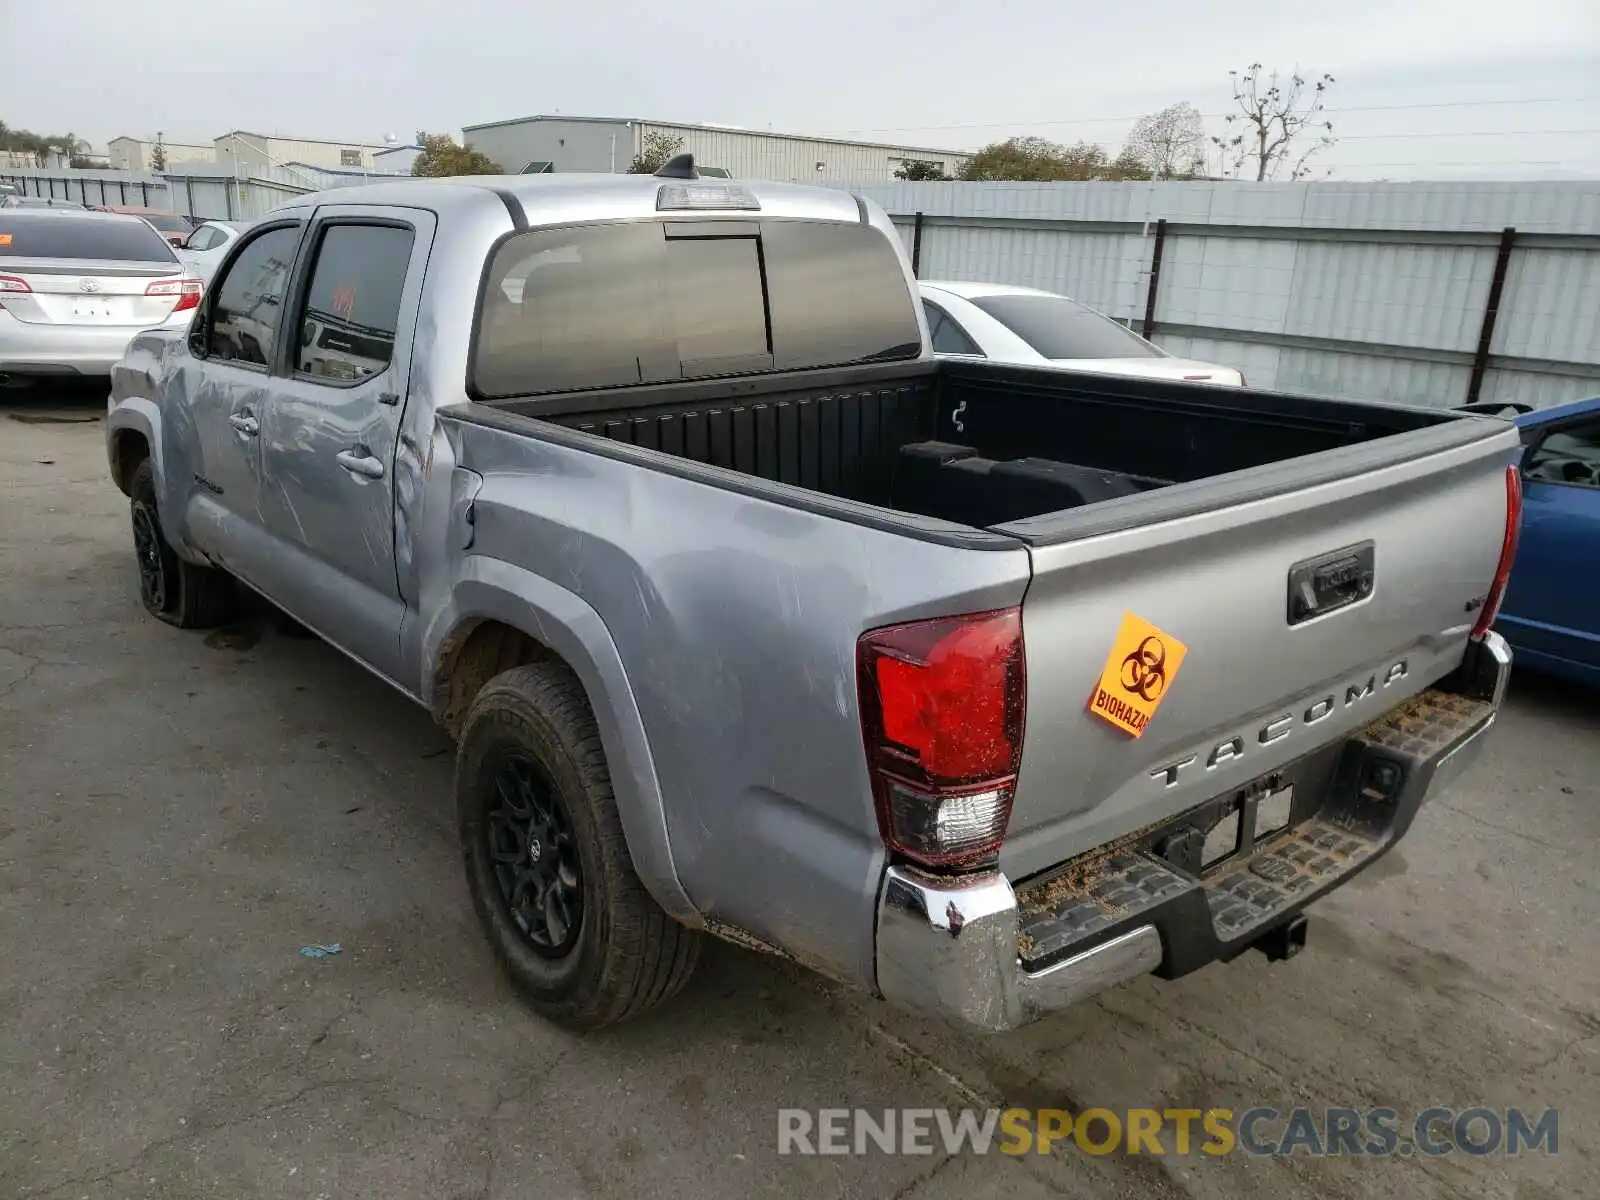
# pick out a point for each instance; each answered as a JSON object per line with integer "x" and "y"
{"x": 1241, "y": 677}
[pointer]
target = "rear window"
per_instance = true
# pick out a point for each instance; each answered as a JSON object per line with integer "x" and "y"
{"x": 168, "y": 222}
{"x": 643, "y": 302}
{"x": 1061, "y": 328}
{"x": 60, "y": 235}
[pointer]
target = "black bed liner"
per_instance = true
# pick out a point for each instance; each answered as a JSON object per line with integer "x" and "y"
{"x": 1040, "y": 454}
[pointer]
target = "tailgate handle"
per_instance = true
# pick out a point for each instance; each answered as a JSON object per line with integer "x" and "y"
{"x": 1331, "y": 581}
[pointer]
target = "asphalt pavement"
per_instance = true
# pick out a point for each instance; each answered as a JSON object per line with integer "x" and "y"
{"x": 181, "y": 813}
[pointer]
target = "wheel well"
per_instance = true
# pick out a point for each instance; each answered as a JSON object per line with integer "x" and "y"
{"x": 128, "y": 450}
{"x": 472, "y": 656}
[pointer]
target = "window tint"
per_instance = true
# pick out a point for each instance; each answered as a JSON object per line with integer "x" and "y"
{"x": 571, "y": 308}
{"x": 715, "y": 301}
{"x": 610, "y": 305}
{"x": 838, "y": 295}
{"x": 1570, "y": 455}
{"x": 1060, "y": 328}
{"x": 52, "y": 235}
{"x": 249, "y": 300}
{"x": 947, "y": 337}
{"x": 352, "y": 309}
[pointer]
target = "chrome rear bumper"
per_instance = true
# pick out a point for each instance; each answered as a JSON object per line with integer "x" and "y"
{"x": 949, "y": 946}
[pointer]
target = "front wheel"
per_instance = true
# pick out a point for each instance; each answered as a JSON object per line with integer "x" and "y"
{"x": 175, "y": 591}
{"x": 546, "y": 860}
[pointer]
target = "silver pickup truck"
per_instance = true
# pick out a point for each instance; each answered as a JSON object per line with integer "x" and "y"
{"x": 980, "y": 687}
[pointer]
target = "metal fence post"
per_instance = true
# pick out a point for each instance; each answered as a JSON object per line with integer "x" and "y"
{"x": 1491, "y": 311}
{"x": 916, "y": 245}
{"x": 1155, "y": 277}
{"x": 144, "y": 193}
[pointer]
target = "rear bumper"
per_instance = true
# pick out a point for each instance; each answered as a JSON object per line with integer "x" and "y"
{"x": 37, "y": 349}
{"x": 974, "y": 951}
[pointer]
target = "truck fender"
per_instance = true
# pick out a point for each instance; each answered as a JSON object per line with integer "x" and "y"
{"x": 489, "y": 589}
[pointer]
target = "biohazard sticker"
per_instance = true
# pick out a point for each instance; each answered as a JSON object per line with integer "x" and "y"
{"x": 1138, "y": 673}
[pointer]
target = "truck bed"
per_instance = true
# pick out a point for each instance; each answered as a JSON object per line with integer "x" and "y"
{"x": 988, "y": 446}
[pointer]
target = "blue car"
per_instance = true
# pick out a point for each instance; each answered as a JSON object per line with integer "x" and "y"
{"x": 1551, "y": 614}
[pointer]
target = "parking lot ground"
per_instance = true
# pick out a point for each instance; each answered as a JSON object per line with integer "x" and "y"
{"x": 181, "y": 812}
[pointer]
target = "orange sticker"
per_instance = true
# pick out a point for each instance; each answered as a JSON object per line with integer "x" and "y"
{"x": 5, "y": 239}
{"x": 1139, "y": 670}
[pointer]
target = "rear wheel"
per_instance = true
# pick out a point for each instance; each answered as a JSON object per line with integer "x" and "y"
{"x": 178, "y": 592}
{"x": 546, "y": 860}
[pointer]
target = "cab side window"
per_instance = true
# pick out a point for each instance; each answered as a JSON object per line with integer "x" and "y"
{"x": 352, "y": 309}
{"x": 249, "y": 299}
{"x": 1570, "y": 455}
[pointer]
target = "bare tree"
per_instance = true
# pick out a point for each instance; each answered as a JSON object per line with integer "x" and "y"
{"x": 1170, "y": 144}
{"x": 1278, "y": 125}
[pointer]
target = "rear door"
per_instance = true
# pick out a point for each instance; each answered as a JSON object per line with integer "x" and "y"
{"x": 330, "y": 431}
{"x": 1553, "y": 603}
{"x": 224, "y": 384}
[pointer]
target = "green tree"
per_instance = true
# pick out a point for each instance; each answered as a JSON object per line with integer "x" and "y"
{"x": 919, "y": 169}
{"x": 1039, "y": 159}
{"x": 441, "y": 158}
{"x": 658, "y": 149}
{"x": 158, "y": 156}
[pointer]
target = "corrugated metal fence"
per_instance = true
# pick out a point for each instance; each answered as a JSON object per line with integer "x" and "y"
{"x": 1418, "y": 293}
{"x": 195, "y": 189}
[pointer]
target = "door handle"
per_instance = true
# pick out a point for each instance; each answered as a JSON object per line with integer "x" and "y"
{"x": 363, "y": 465}
{"x": 245, "y": 424}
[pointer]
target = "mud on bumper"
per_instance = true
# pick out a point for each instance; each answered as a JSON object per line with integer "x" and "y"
{"x": 975, "y": 951}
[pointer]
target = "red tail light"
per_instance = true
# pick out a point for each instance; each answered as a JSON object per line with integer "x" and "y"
{"x": 188, "y": 292}
{"x": 1508, "y": 553}
{"x": 942, "y": 705}
{"x": 13, "y": 285}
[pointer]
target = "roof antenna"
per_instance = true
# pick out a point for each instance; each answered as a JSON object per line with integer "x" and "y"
{"x": 679, "y": 167}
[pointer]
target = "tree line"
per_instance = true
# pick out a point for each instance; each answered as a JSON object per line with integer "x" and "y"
{"x": 43, "y": 145}
{"x": 1276, "y": 124}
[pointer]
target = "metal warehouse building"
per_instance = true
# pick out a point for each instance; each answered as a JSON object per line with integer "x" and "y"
{"x": 562, "y": 143}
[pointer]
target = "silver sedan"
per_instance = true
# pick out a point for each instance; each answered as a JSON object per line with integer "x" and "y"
{"x": 1027, "y": 326}
{"x": 76, "y": 286}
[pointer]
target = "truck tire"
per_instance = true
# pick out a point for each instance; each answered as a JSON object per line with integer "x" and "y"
{"x": 178, "y": 592}
{"x": 546, "y": 860}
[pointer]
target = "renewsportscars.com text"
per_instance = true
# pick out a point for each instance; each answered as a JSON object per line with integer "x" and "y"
{"x": 1260, "y": 1131}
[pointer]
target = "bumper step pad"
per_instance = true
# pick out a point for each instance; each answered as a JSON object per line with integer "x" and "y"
{"x": 1371, "y": 787}
{"x": 1079, "y": 903}
{"x": 1252, "y": 892}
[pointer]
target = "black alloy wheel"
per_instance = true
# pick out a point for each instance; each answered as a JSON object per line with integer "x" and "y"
{"x": 534, "y": 854}
{"x": 147, "y": 550}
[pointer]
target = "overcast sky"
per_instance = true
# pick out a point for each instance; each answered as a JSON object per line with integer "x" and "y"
{"x": 924, "y": 72}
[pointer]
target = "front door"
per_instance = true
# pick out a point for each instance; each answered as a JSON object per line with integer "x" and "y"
{"x": 330, "y": 431}
{"x": 228, "y": 377}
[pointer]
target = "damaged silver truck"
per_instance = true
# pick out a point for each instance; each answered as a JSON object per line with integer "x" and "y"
{"x": 979, "y": 687}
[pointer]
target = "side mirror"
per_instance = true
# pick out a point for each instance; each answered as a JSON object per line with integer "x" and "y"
{"x": 180, "y": 240}
{"x": 199, "y": 334}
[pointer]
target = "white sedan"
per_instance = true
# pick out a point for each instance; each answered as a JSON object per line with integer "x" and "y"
{"x": 206, "y": 246}
{"x": 1029, "y": 327}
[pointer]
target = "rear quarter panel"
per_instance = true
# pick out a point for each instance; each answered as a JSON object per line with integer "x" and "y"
{"x": 736, "y": 619}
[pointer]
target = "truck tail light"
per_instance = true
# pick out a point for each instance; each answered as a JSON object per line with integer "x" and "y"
{"x": 188, "y": 292}
{"x": 942, "y": 704}
{"x": 1508, "y": 553}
